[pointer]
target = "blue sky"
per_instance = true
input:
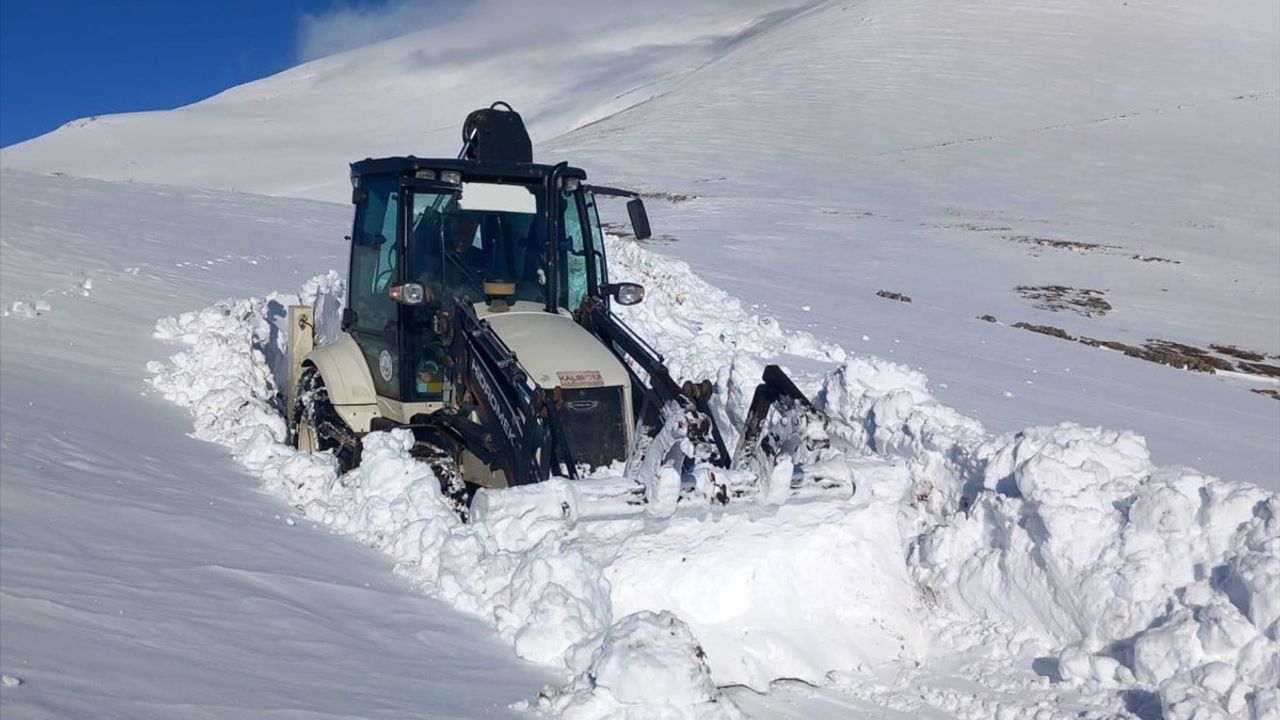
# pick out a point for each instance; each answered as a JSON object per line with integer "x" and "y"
{"x": 65, "y": 59}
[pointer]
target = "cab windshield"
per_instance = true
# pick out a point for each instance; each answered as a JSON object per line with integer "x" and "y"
{"x": 493, "y": 231}
{"x": 451, "y": 243}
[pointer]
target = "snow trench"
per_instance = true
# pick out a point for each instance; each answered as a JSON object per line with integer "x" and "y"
{"x": 1066, "y": 540}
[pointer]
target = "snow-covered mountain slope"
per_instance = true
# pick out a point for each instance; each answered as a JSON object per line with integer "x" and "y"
{"x": 562, "y": 64}
{"x": 1056, "y": 572}
{"x": 141, "y": 575}
{"x": 955, "y": 152}
{"x": 1108, "y": 169}
{"x": 944, "y": 130}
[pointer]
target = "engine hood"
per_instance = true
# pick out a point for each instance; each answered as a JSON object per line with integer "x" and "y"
{"x": 553, "y": 349}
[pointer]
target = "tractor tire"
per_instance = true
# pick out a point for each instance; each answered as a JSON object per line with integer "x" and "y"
{"x": 442, "y": 457}
{"x": 317, "y": 427}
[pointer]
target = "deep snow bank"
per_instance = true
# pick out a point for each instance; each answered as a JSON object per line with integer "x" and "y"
{"x": 1131, "y": 574}
{"x": 550, "y": 584}
{"x": 555, "y": 587}
{"x": 766, "y": 591}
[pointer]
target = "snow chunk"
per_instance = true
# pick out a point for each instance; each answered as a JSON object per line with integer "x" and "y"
{"x": 518, "y": 518}
{"x": 557, "y": 597}
{"x": 647, "y": 666}
{"x": 391, "y": 502}
{"x": 28, "y": 308}
{"x": 767, "y": 593}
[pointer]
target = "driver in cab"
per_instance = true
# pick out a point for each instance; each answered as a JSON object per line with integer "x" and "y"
{"x": 461, "y": 254}
{"x": 461, "y": 245}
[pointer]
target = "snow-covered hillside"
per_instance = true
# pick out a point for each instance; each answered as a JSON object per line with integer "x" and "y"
{"x": 1108, "y": 170}
{"x": 958, "y": 151}
{"x": 561, "y": 64}
{"x": 141, "y": 575}
{"x": 841, "y": 187}
{"x": 1057, "y": 571}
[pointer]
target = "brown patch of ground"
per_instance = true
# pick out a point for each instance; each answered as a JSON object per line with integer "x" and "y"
{"x": 1190, "y": 357}
{"x": 673, "y": 197}
{"x": 971, "y": 227}
{"x": 1173, "y": 354}
{"x": 1086, "y": 247}
{"x": 1166, "y": 352}
{"x": 1073, "y": 245}
{"x": 1255, "y": 368}
{"x": 890, "y": 295}
{"x": 980, "y": 214}
{"x": 1179, "y": 355}
{"x": 1049, "y": 330}
{"x": 1116, "y": 345}
{"x": 1238, "y": 353}
{"x": 1055, "y": 298}
{"x": 622, "y": 230}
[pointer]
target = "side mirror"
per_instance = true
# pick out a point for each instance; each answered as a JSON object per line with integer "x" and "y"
{"x": 408, "y": 293}
{"x": 639, "y": 223}
{"x": 348, "y": 318}
{"x": 625, "y": 293}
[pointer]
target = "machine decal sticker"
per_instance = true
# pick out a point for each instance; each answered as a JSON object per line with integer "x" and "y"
{"x": 384, "y": 365}
{"x": 580, "y": 378}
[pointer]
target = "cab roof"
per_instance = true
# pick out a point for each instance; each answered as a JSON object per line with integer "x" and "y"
{"x": 483, "y": 168}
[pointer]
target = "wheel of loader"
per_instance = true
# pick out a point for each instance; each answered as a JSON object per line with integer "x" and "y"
{"x": 441, "y": 456}
{"x": 317, "y": 426}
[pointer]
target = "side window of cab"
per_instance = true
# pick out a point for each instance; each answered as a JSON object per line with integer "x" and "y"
{"x": 374, "y": 259}
{"x": 573, "y": 273}
{"x": 597, "y": 241}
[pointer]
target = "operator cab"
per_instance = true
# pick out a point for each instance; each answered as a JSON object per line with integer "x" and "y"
{"x": 428, "y": 231}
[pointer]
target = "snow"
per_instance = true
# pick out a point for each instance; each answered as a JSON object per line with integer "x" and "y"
{"x": 141, "y": 574}
{"x": 1077, "y": 536}
{"x": 1062, "y": 540}
{"x": 966, "y": 559}
{"x": 764, "y": 593}
{"x": 1006, "y": 553}
{"x": 561, "y": 65}
{"x": 643, "y": 657}
{"x": 813, "y": 155}
{"x": 547, "y": 590}
{"x": 906, "y": 146}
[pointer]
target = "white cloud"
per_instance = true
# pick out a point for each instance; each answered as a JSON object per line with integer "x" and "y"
{"x": 348, "y": 27}
{"x": 481, "y": 25}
